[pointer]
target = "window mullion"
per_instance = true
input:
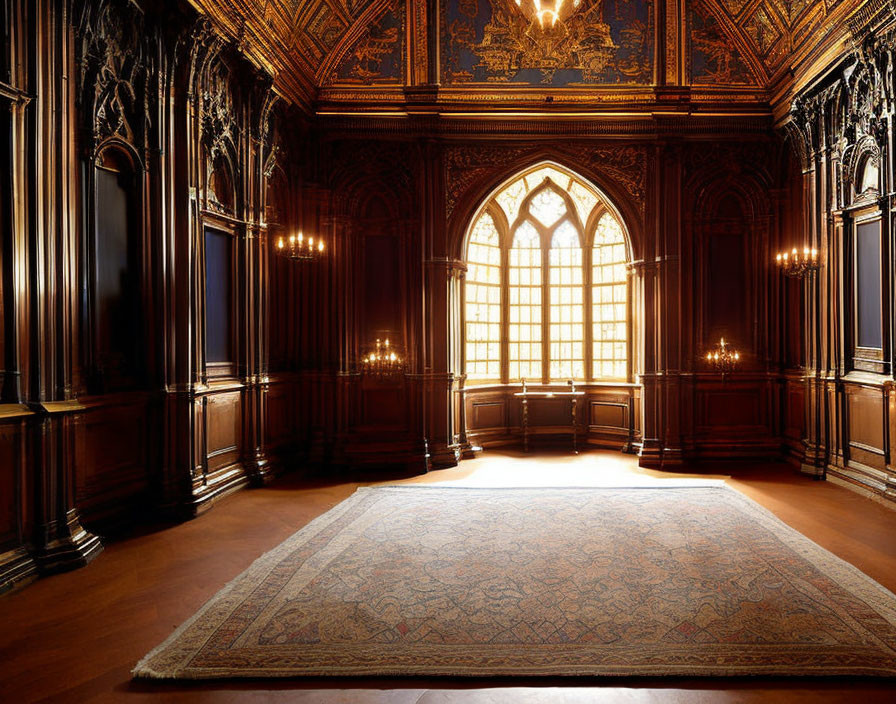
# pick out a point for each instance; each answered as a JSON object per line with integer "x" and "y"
{"x": 545, "y": 308}
{"x": 588, "y": 313}
{"x": 505, "y": 309}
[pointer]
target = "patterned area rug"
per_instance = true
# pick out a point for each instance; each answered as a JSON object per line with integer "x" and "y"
{"x": 607, "y": 581}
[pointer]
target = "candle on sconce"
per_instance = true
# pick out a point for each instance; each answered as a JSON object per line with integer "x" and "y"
{"x": 723, "y": 358}
{"x": 298, "y": 247}
{"x": 383, "y": 360}
{"x": 797, "y": 263}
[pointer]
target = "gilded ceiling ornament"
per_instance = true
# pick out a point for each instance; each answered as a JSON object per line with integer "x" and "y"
{"x": 556, "y": 42}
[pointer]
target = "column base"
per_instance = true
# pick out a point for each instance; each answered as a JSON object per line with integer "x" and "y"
{"x": 17, "y": 568}
{"x": 650, "y": 456}
{"x": 444, "y": 457}
{"x": 76, "y": 549}
{"x": 261, "y": 470}
{"x": 811, "y": 470}
{"x": 466, "y": 451}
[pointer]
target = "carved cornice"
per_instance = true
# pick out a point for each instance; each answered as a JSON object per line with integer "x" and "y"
{"x": 112, "y": 70}
{"x": 869, "y": 15}
{"x": 645, "y": 125}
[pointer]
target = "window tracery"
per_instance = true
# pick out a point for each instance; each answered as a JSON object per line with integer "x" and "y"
{"x": 546, "y": 292}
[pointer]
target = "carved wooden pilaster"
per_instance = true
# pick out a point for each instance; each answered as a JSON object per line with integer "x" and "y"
{"x": 61, "y": 543}
{"x": 651, "y": 452}
{"x": 437, "y": 356}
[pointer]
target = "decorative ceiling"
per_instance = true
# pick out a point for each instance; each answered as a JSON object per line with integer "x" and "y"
{"x": 376, "y": 53}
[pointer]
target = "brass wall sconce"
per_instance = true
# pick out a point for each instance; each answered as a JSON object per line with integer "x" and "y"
{"x": 383, "y": 361}
{"x": 723, "y": 359}
{"x": 798, "y": 264}
{"x": 300, "y": 248}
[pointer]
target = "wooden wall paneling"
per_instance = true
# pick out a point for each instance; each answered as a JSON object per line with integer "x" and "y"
{"x": 606, "y": 416}
{"x": 116, "y": 460}
{"x": 794, "y": 415}
{"x": 890, "y": 488}
{"x": 17, "y": 567}
{"x": 842, "y": 119}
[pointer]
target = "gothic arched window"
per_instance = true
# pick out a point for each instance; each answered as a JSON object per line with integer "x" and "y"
{"x": 546, "y": 292}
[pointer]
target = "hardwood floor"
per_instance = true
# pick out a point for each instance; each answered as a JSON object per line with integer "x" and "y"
{"x": 74, "y": 637}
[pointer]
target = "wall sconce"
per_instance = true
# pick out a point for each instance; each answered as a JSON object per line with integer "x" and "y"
{"x": 797, "y": 265}
{"x": 383, "y": 361}
{"x": 300, "y": 248}
{"x": 722, "y": 358}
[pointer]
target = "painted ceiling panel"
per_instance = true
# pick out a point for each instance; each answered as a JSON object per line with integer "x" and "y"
{"x": 487, "y": 44}
{"x": 598, "y": 42}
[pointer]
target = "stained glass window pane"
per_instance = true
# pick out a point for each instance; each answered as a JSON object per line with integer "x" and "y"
{"x": 537, "y": 177}
{"x": 609, "y": 295}
{"x": 567, "y": 315}
{"x": 483, "y": 302}
{"x": 511, "y": 198}
{"x": 584, "y": 199}
{"x": 547, "y": 207}
{"x": 524, "y": 290}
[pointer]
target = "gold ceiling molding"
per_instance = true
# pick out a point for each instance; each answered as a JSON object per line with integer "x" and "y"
{"x": 374, "y": 11}
{"x": 738, "y": 39}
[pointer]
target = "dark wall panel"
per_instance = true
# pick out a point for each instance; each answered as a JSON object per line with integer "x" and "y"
{"x": 725, "y": 294}
{"x": 218, "y": 296}
{"x": 868, "y": 286}
{"x": 117, "y": 313}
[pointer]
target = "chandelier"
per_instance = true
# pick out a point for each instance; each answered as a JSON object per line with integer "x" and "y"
{"x": 796, "y": 264}
{"x": 722, "y": 358}
{"x": 383, "y": 360}
{"x": 548, "y": 12}
{"x": 300, "y": 248}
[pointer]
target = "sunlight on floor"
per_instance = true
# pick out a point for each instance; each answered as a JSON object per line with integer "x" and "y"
{"x": 509, "y": 468}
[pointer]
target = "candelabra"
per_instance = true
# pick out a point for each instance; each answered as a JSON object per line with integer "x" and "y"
{"x": 796, "y": 264}
{"x": 383, "y": 360}
{"x": 300, "y": 248}
{"x": 722, "y": 358}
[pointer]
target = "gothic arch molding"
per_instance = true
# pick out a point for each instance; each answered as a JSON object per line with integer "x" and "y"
{"x": 481, "y": 190}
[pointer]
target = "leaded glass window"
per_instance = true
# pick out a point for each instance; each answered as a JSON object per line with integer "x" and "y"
{"x": 546, "y": 293}
{"x": 567, "y": 331}
{"x": 524, "y": 329}
{"x": 483, "y": 310}
{"x": 609, "y": 300}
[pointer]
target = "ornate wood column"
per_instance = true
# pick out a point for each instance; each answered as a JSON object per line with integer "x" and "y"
{"x": 338, "y": 225}
{"x": 60, "y": 542}
{"x": 16, "y": 418}
{"x": 816, "y": 307}
{"x": 457, "y": 325}
{"x": 436, "y": 376}
{"x": 257, "y": 257}
{"x": 179, "y": 140}
{"x": 646, "y": 280}
{"x": 649, "y": 281}
{"x": 675, "y": 292}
